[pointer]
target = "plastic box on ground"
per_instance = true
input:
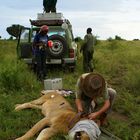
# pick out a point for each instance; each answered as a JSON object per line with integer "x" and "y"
{"x": 53, "y": 84}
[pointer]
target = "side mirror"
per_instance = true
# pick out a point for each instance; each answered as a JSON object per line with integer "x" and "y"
{"x": 64, "y": 26}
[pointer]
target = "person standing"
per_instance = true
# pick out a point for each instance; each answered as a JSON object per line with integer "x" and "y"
{"x": 88, "y": 49}
{"x": 93, "y": 97}
{"x": 39, "y": 45}
{"x": 49, "y": 5}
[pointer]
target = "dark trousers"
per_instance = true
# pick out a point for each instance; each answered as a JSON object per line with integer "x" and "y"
{"x": 50, "y": 9}
{"x": 49, "y": 5}
{"x": 40, "y": 58}
{"x": 88, "y": 61}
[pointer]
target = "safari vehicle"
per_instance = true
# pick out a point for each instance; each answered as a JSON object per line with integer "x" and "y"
{"x": 64, "y": 49}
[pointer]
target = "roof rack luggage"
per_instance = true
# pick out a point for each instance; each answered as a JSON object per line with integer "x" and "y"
{"x": 50, "y": 19}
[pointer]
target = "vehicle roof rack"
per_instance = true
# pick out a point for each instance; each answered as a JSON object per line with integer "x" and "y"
{"x": 46, "y": 22}
{"x": 50, "y": 16}
{"x": 50, "y": 19}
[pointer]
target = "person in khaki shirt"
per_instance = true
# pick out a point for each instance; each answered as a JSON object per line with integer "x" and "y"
{"x": 87, "y": 50}
{"x": 93, "y": 97}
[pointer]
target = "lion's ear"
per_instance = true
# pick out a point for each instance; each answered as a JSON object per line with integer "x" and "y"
{"x": 42, "y": 92}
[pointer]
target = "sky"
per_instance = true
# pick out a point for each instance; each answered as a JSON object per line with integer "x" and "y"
{"x": 107, "y": 18}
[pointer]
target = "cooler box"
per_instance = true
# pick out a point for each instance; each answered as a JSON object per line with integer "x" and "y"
{"x": 53, "y": 84}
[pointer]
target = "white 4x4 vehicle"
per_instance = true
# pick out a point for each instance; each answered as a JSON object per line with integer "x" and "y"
{"x": 64, "y": 49}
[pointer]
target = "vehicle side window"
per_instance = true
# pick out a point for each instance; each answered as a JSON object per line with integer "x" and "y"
{"x": 24, "y": 36}
{"x": 33, "y": 35}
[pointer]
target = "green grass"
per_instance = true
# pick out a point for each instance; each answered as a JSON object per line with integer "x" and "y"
{"x": 117, "y": 61}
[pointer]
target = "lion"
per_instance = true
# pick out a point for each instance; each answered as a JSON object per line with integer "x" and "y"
{"x": 60, "y": 117}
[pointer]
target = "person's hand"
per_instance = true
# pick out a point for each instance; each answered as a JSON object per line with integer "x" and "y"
{"x": 80, "y": 109}
{"x": 44, "y": 44}
{"x": 93, "y": 116}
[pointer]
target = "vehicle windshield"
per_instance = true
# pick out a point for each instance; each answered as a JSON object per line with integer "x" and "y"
{"x": 52, "y": 30}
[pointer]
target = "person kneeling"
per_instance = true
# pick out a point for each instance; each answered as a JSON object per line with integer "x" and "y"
{"x": 93, "y": 97}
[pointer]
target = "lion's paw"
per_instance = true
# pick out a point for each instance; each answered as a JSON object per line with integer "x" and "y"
{"x": 18, "y": 139}
{"x": 17, "y": 107}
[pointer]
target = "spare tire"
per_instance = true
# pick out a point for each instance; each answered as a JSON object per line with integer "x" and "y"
{"x": 59, "y": 47}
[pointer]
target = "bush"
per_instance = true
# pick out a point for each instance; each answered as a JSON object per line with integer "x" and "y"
{"x": 16, "y": 77}
{"x": 114, "y": 44}
{"x": 118, "y": 38}
{"x": 137, "y": 135}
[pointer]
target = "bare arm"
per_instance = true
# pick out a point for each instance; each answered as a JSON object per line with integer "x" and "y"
{"x": 94, "y": 115}
{"x": 79, "y": 105}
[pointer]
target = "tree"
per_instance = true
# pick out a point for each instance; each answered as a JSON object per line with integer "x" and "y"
{"x": 110, "y": 39}
{"x": 118, "y": 37}
{"x": 11, "y": 38}
{"x": 78, "y": 39}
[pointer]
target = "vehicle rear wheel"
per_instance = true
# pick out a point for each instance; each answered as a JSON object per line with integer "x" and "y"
{"x": 59, "y": 47}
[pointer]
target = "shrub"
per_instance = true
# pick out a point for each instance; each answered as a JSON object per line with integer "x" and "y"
{"x": 16, "y": 76}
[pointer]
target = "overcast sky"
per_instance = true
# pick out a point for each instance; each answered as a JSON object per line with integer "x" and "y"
{"x": 107, "y": 17}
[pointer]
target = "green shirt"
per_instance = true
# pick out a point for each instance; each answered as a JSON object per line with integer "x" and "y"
{"x": 89, "y": 42}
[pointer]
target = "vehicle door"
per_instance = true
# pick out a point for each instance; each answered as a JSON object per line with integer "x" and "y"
{"x": 24, "y": 46}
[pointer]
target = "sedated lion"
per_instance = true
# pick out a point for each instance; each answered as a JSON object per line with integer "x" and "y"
{"x": 60, "y": 117}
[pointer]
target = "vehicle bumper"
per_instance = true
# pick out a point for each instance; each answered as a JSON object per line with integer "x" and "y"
{"x": 53, "y": 61}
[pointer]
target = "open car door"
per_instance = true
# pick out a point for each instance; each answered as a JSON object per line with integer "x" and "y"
{"x": 24, "y": 46}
